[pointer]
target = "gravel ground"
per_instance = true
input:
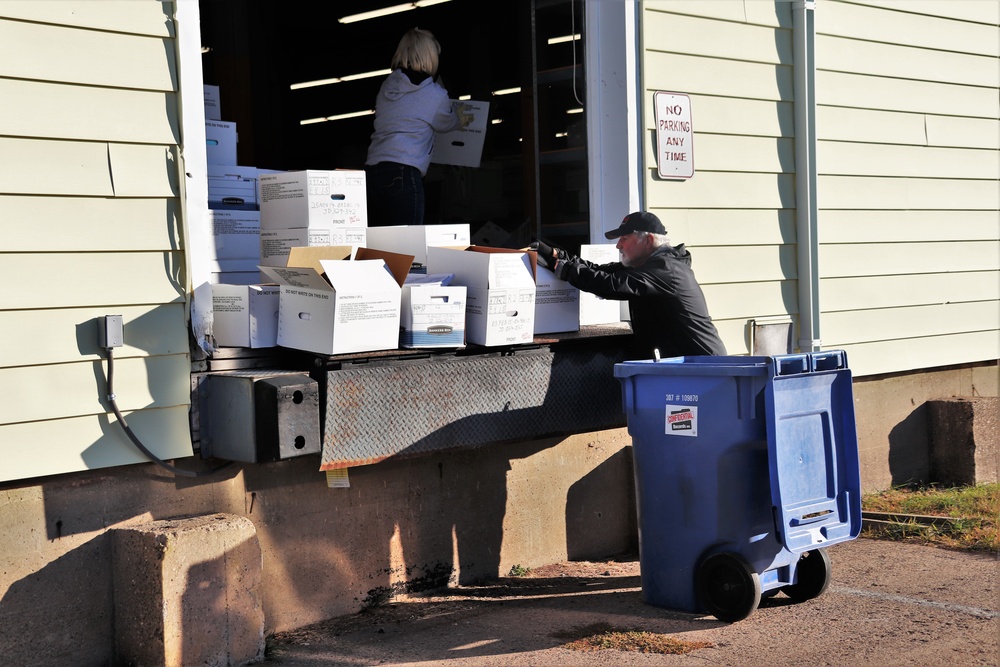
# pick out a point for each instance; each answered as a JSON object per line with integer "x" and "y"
{"x": 888, "y": 603}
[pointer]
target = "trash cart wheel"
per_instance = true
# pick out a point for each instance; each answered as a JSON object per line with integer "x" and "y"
{"x": 728, "y": 587}
{"x": 813, "y": 576}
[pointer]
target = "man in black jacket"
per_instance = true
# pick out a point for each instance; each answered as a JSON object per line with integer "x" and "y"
{"x": 666, "y": 306}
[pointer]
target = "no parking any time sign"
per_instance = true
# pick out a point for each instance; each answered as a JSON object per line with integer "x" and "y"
{"x": 674, "y": 135}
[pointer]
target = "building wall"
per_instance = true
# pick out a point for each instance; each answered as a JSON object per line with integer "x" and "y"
{"x": 908, "y": 166}
{"x": 89, "y": 207}
{"x": 400, "y": 526}
{"x": 90, "y": 226}
{"x": 908, "y": 102}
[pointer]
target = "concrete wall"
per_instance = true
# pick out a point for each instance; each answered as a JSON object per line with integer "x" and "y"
{"x": 400, "y": 526}
{"x": 892, "y": 418}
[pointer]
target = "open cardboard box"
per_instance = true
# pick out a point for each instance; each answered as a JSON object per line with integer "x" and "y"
{"x": 335, "y": 300}
{"x": 500, "y": 282}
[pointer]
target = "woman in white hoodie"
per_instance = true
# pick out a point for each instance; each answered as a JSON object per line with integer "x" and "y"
{"x": 411, "y": 106}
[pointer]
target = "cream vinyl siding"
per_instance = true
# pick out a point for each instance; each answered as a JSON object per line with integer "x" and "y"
{"x": 89, "y": 211}
{"x": 908, "y": 100}
{"x": 737, "y": 213}
{"x": 908, "y": 184}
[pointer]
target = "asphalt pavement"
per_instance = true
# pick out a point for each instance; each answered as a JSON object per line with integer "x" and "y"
{"x": 888, "y": 603}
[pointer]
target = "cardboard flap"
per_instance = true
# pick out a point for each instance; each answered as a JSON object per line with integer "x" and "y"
{"x": 511, "y": 271}
{"x": 438, "y": 279}
{"x": 310, "y": 256}
{"x": 359, "y": 276}
{"x": 295, "y": 277}
{"x": 399, "y": 265}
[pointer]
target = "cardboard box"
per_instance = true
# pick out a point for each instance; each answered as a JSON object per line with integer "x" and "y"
{"x": 463, "y": 147}
{"x": 348, "y": 305}
{"x": 415, "y": 239}
{"x": 432, "y": 312}
{"x": 220, "y": 142}
{"x": 213, "y": 107}
{"x": 336, "y": 201}
{"x": 276, "y": 244}
{"x": 234, "y": 271}
{"x": 245, "y": 315}
{"x": 500, "y": 308}
{"x": 557, "y": 303}
{"x": 236, "y": 234}
{"x": 594, "y": 309}
{"x": 233, "y": 186}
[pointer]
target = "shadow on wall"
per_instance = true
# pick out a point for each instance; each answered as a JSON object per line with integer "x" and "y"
{"x": 36, "y": 624}
{"x": 593, "y": 520}
{"x": 909, "y": 449}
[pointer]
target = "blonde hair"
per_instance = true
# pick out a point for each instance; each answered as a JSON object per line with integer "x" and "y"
{"x": 418, "y": 50}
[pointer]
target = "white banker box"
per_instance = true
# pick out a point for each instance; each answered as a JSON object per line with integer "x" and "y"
{"x": 594, "y": 309}
{"x": 415, "y": 239}
{"x": 276, "y": 244}
{"x": 220, "y": 142}
{"x": 501, "y": 291}
{"x": 245, "y": 315}
{"x": 348, "y": 305}
{"x": 335, "y": 201}
{"x": 557, "y": 303}
{"x": 236, "y": 234}
{"x": 433, "y": 312}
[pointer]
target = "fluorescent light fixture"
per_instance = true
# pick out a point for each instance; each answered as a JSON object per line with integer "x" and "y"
{"x": 340, "y": 79}
{"x": 576, "y": 110}
{"x": 563, "y": 39}
{"x": 560, "y": 135}
{"x": 496, "y": 121}
{"x": 343, "y": 116}
{"x": 463, "y": 98}
{"x": 507, "y": 91}
{"x": 386, "y": 11}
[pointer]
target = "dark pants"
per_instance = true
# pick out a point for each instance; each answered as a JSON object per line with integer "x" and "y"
{"x": 395, "y": 194}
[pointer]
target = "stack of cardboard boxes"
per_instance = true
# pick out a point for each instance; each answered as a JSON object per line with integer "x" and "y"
{"x": 298, "y": 267}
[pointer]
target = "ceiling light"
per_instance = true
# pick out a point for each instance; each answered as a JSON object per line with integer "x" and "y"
{"x": 340, "y": 79}
{"x": 386, "y": 11}
{"x": 343, "y": 116}
{"x": 507, "y": 91}
{"x": 576, "y": 110}
{"x": 563, "y": 39}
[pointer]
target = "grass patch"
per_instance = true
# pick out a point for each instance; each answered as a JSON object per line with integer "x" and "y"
{"x": 601, "y": 636}
{"x": 972, "y": 511}
{"x": 518, "y": 571}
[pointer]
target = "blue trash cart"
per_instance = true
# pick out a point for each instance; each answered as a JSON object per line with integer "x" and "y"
{"x": 746, "y": 469}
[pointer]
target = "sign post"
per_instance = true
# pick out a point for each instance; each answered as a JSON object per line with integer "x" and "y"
{"x": 674, "y": 135}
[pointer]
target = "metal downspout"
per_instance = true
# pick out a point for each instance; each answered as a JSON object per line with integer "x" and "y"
{"x": 807, "y": 244}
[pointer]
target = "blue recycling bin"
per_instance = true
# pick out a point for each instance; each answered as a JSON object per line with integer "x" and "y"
{"x": 746, "y": 469}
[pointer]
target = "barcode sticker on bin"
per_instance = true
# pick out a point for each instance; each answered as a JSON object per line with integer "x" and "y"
{"x": 682, "y": 420}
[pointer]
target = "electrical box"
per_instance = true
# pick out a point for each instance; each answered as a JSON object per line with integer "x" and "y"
{"x": 255, "y": 416}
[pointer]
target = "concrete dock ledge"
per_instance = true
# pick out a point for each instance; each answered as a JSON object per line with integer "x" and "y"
{"x": 187, "y": 592}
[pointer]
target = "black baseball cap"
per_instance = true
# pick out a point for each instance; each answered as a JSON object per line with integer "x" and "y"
{"x": 640, "y": 221}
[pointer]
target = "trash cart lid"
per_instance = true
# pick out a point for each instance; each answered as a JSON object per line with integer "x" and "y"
{"x": 813, "y": 450}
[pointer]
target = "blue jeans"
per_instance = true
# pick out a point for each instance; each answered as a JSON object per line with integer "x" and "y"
{"x": 395, "y": 194}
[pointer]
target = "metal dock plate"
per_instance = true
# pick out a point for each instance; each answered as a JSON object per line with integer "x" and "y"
{"x": 409, "y": 408}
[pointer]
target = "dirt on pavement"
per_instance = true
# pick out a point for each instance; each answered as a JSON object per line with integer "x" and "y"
{"x": 888, "y": 603}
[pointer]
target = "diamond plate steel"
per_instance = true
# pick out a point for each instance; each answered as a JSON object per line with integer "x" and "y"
{"x": 413, "y": 408}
